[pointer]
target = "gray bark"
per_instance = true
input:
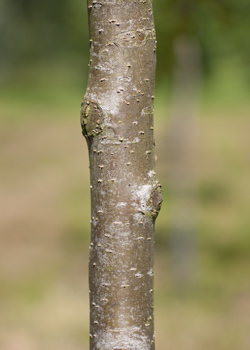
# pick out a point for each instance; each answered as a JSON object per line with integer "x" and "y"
{"x": 117, "y": 121}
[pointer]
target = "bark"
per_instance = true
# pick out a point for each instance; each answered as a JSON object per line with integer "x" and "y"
{"x": 117, "y": 121}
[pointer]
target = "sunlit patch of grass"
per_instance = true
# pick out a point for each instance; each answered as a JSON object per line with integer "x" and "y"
{"x": 30, "y": 289}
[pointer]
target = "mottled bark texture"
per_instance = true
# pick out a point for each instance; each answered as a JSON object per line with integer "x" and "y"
{"x": 117, "y": 121}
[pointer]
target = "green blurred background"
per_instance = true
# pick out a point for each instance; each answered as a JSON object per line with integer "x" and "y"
{"x": 202, "y": 242}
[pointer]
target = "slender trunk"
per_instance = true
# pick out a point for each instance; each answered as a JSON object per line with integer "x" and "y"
{"x": 117, "y": 121}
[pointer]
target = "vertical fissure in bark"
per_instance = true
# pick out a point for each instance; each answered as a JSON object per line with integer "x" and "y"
{"x": 117, "y": 122}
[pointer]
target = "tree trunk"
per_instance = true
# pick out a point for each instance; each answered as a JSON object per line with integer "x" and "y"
{"x": 117, "y": 121}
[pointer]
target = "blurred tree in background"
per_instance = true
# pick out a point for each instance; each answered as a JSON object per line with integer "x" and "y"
{"x": 220, "y": 27}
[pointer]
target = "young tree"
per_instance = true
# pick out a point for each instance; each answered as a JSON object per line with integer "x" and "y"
{"x": 117, "y": 122}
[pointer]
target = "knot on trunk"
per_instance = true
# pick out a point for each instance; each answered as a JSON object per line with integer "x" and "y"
{"x": 155, "y": 200}
{"x": 148, "y": 199}
{"x": 91, "y": 118}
